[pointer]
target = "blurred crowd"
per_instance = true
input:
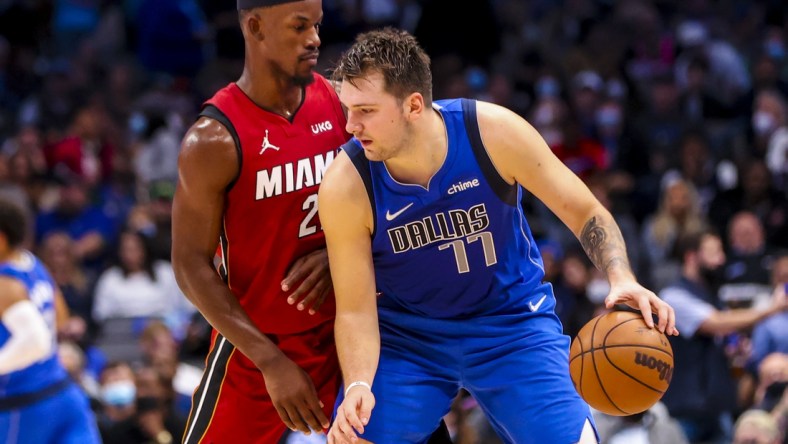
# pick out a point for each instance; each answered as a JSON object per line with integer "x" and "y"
{"x": 675, "y": 113}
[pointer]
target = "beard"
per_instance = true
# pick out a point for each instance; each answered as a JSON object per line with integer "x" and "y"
{"x": 714, "y": 278}
{"x": 303, "y": 80}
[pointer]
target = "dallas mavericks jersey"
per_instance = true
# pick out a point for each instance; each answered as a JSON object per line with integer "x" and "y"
{"x": 460, "y": 247}
{"x": 40, "y": 289}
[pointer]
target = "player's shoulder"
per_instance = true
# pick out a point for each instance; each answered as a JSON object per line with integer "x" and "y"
{"x": 342, "y": 179}
{"x": 207, "y": 134}
{"x": 208, "y": 147}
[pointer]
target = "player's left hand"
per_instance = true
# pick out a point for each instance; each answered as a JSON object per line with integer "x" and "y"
{"x": 636, "y": 296}
{"x": 313, "y": 273}
{"x": 351, "y": 417}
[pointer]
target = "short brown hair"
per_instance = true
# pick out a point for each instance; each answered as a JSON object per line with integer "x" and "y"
{"x": 396, "y": 55}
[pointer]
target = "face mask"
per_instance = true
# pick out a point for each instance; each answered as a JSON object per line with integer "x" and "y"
{"x": 597, "y": 290}
{"x": 762, "y": 122}
{"x": 120, "y": 393}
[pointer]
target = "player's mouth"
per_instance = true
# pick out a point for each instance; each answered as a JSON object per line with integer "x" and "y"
{"x": 310, "y": 58}
{"x": 365, "y": 143}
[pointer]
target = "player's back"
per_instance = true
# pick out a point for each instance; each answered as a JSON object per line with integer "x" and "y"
{"x": 460, "y": 247}
{"x": 47, "y": 372}
{"x": 270, "y": 217}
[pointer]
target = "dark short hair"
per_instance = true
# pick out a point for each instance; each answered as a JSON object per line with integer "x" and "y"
{"x": 396, "y": 55}
{"x": 690, "y": 242}
{"x": 13, "y": 223}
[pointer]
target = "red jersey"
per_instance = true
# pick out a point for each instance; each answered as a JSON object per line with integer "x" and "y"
{"x": 270, "y": 216}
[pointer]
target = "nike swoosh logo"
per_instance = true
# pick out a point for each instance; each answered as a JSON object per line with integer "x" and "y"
{"x": 390, "y": 216}
{"x": 536, "y": 306}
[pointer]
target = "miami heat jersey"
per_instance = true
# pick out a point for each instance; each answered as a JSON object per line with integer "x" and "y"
{"x": 459, "y": 247}
{"x": 270, "y": 217}
{"x": 41, "y": 291}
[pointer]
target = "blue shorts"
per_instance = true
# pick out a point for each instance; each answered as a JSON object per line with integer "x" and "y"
{"x": 516, "y": 366}
{"x": 64, "y": 418}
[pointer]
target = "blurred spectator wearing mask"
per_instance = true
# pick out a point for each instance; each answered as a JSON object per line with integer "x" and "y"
{"x": 623, "y": 151}
{"x": 117, "y": 394}
{"x": 586, "y": 95}
{"x": 757, "y": 427}
{"x": 702, "y": 393}
{"x": 153, "y": 420}
{"x": 678, "y": 215}
{"x": 771, "y": 335}
{"x": 770, "y": 131}
{"x": 756, "y": 193}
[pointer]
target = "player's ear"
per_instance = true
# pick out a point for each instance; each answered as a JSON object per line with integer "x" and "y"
{"x": 252, "y": 23}
{"x": 414, "y": 105}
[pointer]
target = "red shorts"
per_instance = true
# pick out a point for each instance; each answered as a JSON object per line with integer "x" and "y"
{"x": 231, "y": 404}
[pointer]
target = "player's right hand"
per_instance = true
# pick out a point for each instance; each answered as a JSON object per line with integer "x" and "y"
{"x": 352, "y": 415}
{"x": 294, "y": 396}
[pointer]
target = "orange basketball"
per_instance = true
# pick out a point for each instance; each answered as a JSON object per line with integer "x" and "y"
{"x": 619, "y": 365}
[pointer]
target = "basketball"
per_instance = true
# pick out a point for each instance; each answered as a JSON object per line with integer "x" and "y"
{"x": 619, "y": 366}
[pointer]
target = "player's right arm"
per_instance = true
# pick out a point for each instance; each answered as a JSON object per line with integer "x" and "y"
{"x": 346, "y": 216}
{"x": 208, "y": 163}
{"x": 30, "y": 340}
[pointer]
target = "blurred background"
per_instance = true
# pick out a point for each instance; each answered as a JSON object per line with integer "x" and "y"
{"x": 673, "y": 112}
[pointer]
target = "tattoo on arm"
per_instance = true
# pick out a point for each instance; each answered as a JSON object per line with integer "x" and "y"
{"x": 604, "y": 245}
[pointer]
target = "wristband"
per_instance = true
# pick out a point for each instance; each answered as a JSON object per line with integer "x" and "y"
{"x": 356, "y": 384}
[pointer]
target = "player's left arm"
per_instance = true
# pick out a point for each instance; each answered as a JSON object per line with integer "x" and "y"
{"x": 30, "y": 339}
{"x": 521, "y": 155}
{"x": 346, "y": 216}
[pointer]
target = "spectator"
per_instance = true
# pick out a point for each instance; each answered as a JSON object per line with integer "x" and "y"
{"x": 678, "y": 215}
{"x": 138, "y": 286}
{"x": 654, "y": 426}
{"x": 702, "y": 393}
{"x": 756, "y": 427}
{"x": 771, "y": 335}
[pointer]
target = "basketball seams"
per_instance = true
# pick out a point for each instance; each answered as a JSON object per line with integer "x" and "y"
{"x": 596, "y": 372}
{"x": 650, "y": 347}
{"x": 610, "y": 361}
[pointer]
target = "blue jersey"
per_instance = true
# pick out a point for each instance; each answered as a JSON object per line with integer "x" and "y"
{"x": 41, "y": 291}
{"x": 459, "y": 247}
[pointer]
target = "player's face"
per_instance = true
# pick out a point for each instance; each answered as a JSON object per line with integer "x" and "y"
{"x": 291, "y": 38}
{"x": 375, "y": 117}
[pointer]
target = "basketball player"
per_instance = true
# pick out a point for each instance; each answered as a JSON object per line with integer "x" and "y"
{"x": 38, "y": 400}
{"x": 423, "y": 207}
{"x": 249, "y": 170}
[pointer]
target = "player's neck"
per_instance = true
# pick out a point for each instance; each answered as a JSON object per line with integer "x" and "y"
{"x": 424, "y": 154}
{"x": 278, "y": 95}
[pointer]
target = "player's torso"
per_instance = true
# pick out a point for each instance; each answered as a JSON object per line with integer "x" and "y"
{"x": 459, "y": 247}
{"x": 46, "y": 372}
{"x": 271, "y": 214}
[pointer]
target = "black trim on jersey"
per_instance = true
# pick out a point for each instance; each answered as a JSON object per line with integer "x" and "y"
{"x": 360, "y": 161}
{"x": 216, "y": 114}
{"x": 206, "y": 396}
{"x": 224, "y": 273}
{"x": 507, "y": 193}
